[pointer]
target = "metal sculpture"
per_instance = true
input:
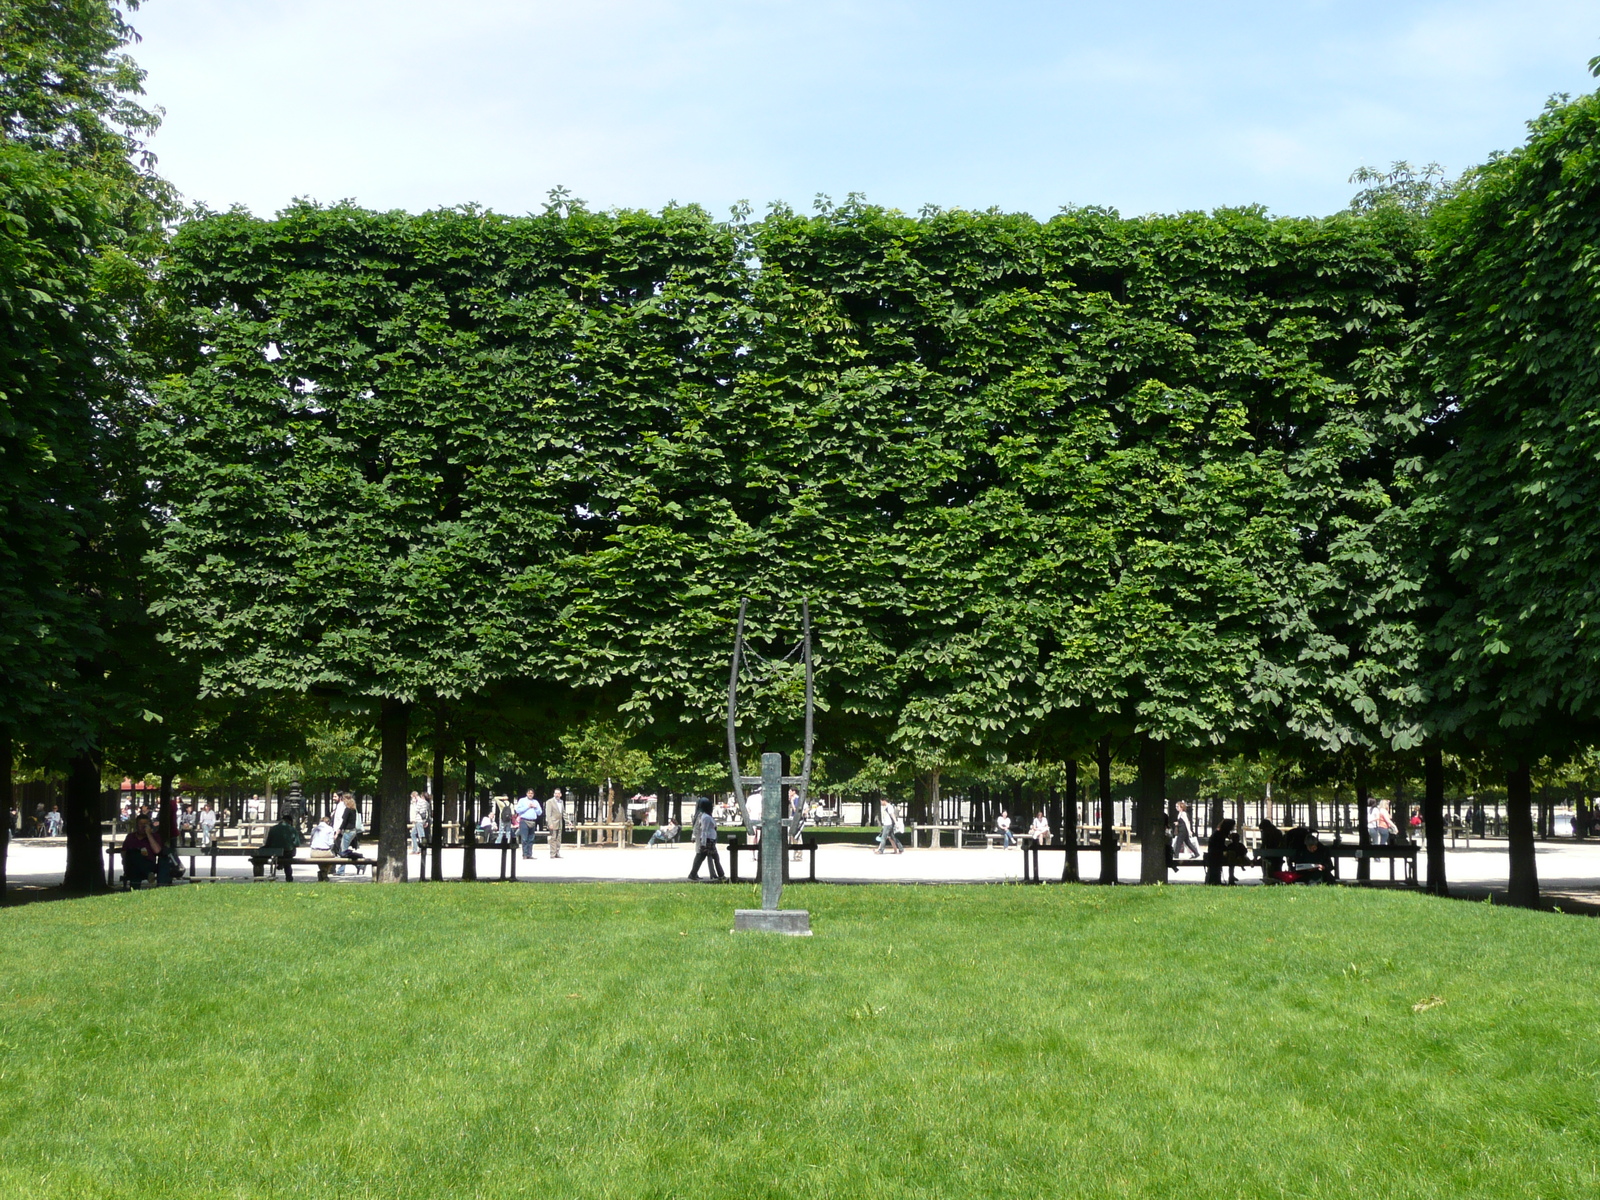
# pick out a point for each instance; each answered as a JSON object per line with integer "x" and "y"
{"x": 775, "y": 828}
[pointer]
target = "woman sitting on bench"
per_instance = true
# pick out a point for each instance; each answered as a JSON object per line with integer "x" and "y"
{"x": 142, "y": 856}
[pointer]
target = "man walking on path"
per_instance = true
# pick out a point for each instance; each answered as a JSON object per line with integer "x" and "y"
{"x": 421, "y": 814}
{"x": 528, "y": 811}
{"x": 891, "y": 822}
{"x": 1182, "y": 833}
{"x": 705, "y": 843}
{"x": 555, "y": 815}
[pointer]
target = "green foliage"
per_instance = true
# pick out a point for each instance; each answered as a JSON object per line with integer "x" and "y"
{"x": 1403, "y": 188}
{"x": 1038, "y": 481}
{"x": 394, "y": 431}
{"x": 79, "y": 222}
{"x": 1085, "y": 474}
{"x": 66, "y": 86}
{"x": 597, "y": 751}
{"x": 51, "y": 221}
{"x": 1512, "y": 324}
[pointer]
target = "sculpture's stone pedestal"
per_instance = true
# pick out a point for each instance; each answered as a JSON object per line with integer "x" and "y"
{"x": 796, "y": 922}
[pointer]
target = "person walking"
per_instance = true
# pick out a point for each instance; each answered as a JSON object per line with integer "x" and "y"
{"x": 527, "y": 813}
{"x": 555, "y": 816}
{"x": 1391, "y": 829}
{"x": 705, "y": 843}
{"x": 889, "y": 820}
{"x": 1380, "y": 825}
{"x": 1183, "y": 832}
{"x": 348, "y": 829}
{"x": 421, "y": 814}
{"x": 503, "y": 821}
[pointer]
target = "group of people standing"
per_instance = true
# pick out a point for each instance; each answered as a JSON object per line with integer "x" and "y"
{"x": 525, "y": 820}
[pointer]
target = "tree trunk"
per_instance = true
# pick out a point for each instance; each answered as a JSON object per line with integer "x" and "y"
{"x": 1363, "y": 827}
{"x": 437, "y": 840}
{"x": 1069, "y": 823}
{"x": 469, "y": 814}
{"x": 86, "y": 865}
{"x": 1524, "y": 884}
{"x": 6, "y": 788}
{"x": 1433, "y": 819}
{"x": 389, "y": 805}
{"x": 1152, "y": 808}
{"x": 1108, "y": 816}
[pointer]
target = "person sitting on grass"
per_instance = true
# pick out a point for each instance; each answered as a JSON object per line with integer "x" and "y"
{"x": 666, "y": 833}
{"x": 282, "y": 840}
{"x": 142, "y": 856}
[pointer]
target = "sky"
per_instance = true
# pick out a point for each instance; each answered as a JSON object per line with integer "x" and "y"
{"x": 1142, "y": 106}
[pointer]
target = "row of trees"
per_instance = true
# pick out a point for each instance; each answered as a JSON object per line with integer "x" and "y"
{"x": 1175, "y": 488}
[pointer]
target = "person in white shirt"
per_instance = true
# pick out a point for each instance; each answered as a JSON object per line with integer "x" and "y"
{"x": 889, "y": 822}
{"x": 1039, "y": 831}
{"x": 323, "y": 837}
{"x": 1183, "y": 833}
{"x": 1003, "y": 824}
{"x": 752, "y": 808}
{"x": 421, "y": 814}
{"x": 206, "y": 819}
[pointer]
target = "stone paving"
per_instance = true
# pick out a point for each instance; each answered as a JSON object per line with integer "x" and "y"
{"x": 1567, "y": 870}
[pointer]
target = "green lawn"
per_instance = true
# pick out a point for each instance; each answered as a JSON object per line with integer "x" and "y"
{"x": 616, "y": 1040}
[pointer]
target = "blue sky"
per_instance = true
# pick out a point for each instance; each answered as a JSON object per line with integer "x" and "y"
{"x": 1142, "y": 106}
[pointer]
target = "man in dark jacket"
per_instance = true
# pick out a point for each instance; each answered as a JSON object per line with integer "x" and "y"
{"x": 1217, "y": 850}
{"x": 282, "y": 840}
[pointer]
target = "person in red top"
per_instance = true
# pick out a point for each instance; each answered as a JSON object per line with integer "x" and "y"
{"x": 142, "y": 856}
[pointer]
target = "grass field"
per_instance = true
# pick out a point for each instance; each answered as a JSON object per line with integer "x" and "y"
{"x": 616, "y": 1040}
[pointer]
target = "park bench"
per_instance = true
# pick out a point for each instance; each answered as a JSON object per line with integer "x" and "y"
{"x": 603, "y": 832}
{"x": 804, "y": 846}
{"x": 1402, "y": 852}
{"x": 323, "y": 864}
{"x": 1031, "y": 849}
{"x": 936, "y": 833}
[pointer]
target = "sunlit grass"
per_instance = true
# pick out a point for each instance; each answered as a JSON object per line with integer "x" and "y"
{"x": 617, "y": 1040}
